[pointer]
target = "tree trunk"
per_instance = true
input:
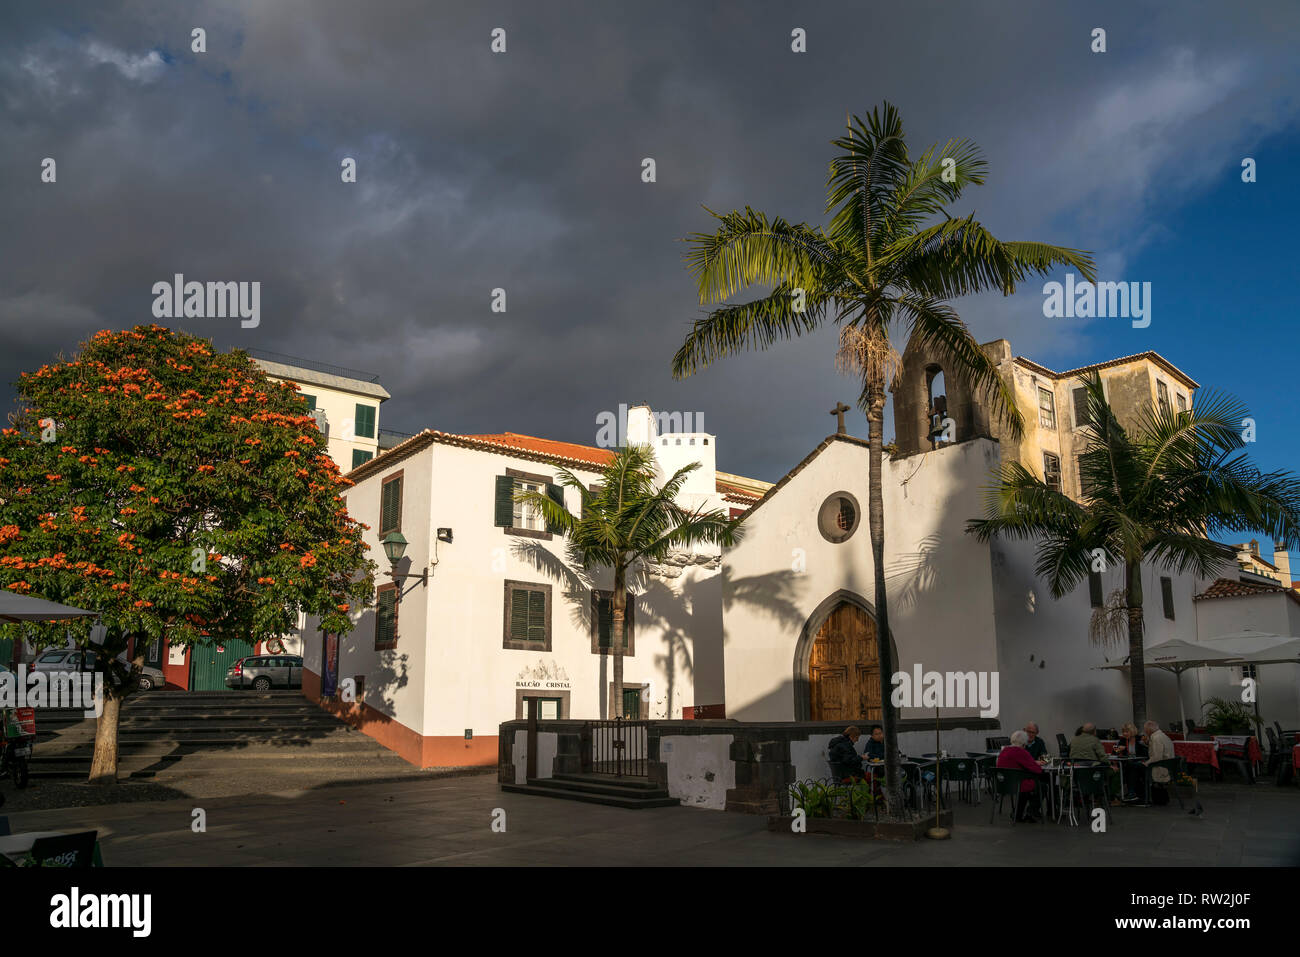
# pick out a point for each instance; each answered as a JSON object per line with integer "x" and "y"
{"x": 103, "y": 763}
{"x": 619, "y": 604}
{"x": 1136, "y": 659}
{"x": 893, "y": 792}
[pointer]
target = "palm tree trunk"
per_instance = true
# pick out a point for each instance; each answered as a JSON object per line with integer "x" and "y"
{"x": 619, "y": 603}
{"x": 876, "y": 526}
{"x": 1136, "y": 660}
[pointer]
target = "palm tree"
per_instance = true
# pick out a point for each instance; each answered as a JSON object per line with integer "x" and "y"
{"x": 1151, "y": 495}
{"x": 626, "y": 519}
{"x": 877, "y": 266}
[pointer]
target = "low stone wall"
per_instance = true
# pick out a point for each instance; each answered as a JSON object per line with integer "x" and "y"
{"x": 725, "y": 765}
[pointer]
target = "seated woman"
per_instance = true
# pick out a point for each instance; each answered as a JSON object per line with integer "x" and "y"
{"x": 1016, "y": 757}
{"x": 1131, "y": 745}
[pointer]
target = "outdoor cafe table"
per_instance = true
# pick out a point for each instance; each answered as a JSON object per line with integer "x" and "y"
{"x": 15, "y": 847}
{"x": 1194, "y": 752}
{"x": 1247, "y": 741}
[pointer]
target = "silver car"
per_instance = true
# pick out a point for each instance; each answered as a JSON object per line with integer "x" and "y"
{"x": 264, "y": 672}
{"x": 71, "y": 659}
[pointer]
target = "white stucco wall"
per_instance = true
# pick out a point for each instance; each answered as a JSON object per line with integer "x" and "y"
{"x": 1278, "y": 688}
{"x": 938, "y": 578}
{"x": 700, "y": 769}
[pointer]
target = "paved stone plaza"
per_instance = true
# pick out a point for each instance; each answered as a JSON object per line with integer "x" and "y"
{"x": 448, "y": 822}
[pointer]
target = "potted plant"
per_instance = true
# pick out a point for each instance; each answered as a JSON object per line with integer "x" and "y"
{"x": 1229, "y": 717}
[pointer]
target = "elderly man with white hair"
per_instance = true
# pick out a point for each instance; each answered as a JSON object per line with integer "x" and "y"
{"x": 1016, "y": 757}
{"x": 1159, "y": 748}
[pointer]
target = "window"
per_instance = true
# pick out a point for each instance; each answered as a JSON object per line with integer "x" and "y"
{"x": 364, "y": 424}
{"x": 520, "y": 518}
{"x": 1081, "y": 414}
{"x": 1167, "y": 593}
{"x": 527, "y": 616}
{"x": 1046, "y": 409}
{"x": 311, "y": 401}
{"x": 390, "y": 505}
{"x": 1162, "y": 396}
{"x": 386, "y": 618}
{"x": 1085, "y": 487}
{"x": 839, "y": 517}
{"x": 1182, "y": 402}
{"x": 360, "y": 457}
{"x": 602, "y": 623}
{"x": 1052, "y": 471}
{"x": 1094, "y": 589}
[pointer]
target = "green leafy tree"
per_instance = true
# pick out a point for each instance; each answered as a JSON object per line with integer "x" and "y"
{"x": 179, "y": 493}
{"x": 890, "y": 258}
{"x": 1152, "y": 494}
{"x": 625, "y": 519}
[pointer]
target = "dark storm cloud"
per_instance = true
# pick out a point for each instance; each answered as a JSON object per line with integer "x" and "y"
{"x": 522, "y": 171}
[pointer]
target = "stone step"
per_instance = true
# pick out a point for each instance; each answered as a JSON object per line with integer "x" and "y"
{"x": 601, "y": 782}
{"x": 590, "y": 797}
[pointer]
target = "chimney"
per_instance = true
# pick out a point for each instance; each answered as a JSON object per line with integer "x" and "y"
{"x": 640, "y": 425}
{"x": 1282, "y": 559}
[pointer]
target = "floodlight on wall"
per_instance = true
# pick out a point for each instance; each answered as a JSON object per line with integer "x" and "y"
{"x": 444, "y": 535}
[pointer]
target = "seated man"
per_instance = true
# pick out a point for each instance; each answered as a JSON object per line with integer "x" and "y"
{"x": 1036, "y": 747}
{"x": 843, "y": 755}
{"x": 1016, "y": 757}
{"x": 875, "y": 744}
{"x": 1086, "y": 746}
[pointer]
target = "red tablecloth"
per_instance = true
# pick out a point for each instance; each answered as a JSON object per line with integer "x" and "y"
{"x": 1253, "y": 753}
{"x": 1197, "y": 752}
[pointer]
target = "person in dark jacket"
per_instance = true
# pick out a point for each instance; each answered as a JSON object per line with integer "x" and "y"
{"x": 1036, "y": 747}
{"x": 843, "y": 754}
{"x": 875, "y": 744}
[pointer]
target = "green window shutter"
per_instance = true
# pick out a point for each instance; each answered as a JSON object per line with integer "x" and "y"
{"x": 364, "y": 422}
{"x": 556, "y": 494}
{"x": 604, "y": 621}
{"x": 311, "y": 402}
{"x": 537, "y": 616}
{"x": 1094, "y": 589}
{"x": 386, "y": 617}
{"x": 390, "y": 506}
{"x": 360, "y": 457}
{"x": 1167, "y": 594}
{"x": 505, "y": 502}
{"x": 519, "y": 613}
{"x": 1081, "y": 416}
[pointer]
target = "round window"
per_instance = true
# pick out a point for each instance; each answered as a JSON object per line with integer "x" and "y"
{"x": 839, "y": 517}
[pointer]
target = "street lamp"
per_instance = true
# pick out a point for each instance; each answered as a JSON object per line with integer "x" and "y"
{"x": 395, "y": 547}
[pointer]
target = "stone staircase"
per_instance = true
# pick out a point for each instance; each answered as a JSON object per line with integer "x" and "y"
{"x": 632, "y": 793}
{"x": 162, "y": 734}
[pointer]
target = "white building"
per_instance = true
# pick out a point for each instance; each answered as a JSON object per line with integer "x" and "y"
{"x": 496, "y": 611}
{"x": 345, "y": 403}
{"x": 799, "y": 590}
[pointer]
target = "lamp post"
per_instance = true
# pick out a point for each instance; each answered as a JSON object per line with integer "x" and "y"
{"x": 395, "y": 548}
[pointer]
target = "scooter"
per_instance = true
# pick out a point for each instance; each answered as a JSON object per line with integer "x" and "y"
{"x": 18, "y": 730}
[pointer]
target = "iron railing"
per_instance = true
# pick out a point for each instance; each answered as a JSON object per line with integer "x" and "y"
{"x": 617, "y": 747}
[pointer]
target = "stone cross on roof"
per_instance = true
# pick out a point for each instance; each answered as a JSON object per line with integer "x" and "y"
{"x": 838, "y": 412}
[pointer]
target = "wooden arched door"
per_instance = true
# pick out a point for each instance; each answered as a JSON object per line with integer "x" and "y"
{"x": 844, "y": 668}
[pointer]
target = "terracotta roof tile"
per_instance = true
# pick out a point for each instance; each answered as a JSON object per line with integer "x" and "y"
{"x": 1227, "y": 588}
{"x": 531, "y": 443}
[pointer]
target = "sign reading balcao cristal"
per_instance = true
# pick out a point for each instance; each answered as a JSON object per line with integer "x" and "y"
{"x": 543, "y": 677}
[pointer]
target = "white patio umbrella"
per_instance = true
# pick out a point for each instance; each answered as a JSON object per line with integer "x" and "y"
{"x": 1260, "y": 648}
{"x": 1177, "y": 656}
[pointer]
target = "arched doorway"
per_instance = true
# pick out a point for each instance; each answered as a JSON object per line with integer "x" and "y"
{"x": 837, "y": 667}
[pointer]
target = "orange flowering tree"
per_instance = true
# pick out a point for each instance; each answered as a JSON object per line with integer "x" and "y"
{"x": 181, "y": 494}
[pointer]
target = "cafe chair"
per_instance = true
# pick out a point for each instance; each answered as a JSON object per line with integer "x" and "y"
{"x": 1175, "y": 767}
{"x": 993, "y": 744}
{"x": 1091, "y": 782}
{"x": 1274, "y": 751}
{"x": 1063, "y": 745}
{"x": 962, "y": 772}
{"x": 1006, "y": 783}
{"x": 1238, "y": 757}
{"x": 65, "y": 850}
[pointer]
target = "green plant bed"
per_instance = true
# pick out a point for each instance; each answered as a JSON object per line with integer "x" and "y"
{"x": 852, "y": 809}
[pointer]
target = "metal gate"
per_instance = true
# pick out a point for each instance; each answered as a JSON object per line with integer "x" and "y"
{"x": 615, "y": 747}
{"x": 208, "y": 663}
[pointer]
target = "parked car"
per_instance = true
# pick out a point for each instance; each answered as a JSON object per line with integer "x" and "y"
{"x": 70, "y": 659}
{"x": 264, "y": 672}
